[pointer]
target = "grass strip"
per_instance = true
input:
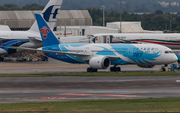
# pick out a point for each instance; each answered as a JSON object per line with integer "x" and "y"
{"x": 95, "y": 74}
{"x": 102, "y": 106}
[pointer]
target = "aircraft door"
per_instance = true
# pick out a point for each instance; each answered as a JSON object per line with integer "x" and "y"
{"x": 155, "y": 51}
{"x": 88, "y": 51}
{"x": 109, "y": 39}
{"x": 104, "y": 39}
{"x": 130, "y": 52}
{"x": 10, "y": 35}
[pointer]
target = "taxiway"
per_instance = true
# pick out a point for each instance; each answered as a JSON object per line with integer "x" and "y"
{"x": 46, "y": 89}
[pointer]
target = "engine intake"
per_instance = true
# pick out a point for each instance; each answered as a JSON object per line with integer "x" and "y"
{"x": 100, "y": 62}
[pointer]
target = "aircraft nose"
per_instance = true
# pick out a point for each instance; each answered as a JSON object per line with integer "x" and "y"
{"x": 174, "y": 58}
{"x": 2, "y": 51}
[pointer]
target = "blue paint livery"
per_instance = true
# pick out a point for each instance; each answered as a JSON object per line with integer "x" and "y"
{"x": 123, "y": 53}
{"x": 10, "y": 43}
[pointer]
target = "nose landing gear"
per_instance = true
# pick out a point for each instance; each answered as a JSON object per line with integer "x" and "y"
{"x": 163, "y": 67}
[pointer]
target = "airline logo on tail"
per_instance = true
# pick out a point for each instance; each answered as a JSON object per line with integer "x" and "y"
{"x": 44, "y": 32}
{"x": 95, "y": 39}
{"x": 50, "y": 14}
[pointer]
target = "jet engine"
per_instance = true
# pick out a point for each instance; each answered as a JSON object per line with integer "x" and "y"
{"x": 146, "y": 66}
{"x": 100, "y": 62}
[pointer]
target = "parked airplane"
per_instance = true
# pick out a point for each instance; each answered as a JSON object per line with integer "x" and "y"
{"x": 101, "y": 56}
{"x": 170, "y": 40}
{"x": 30, "y": 38}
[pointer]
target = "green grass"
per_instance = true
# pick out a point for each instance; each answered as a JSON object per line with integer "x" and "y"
{"x": 105, "y": 106}
{"x": 96, "y": 74}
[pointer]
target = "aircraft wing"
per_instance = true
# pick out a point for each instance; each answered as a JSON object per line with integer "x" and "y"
{"x": 48, "y": 51}
{"x": 35, "y": 39}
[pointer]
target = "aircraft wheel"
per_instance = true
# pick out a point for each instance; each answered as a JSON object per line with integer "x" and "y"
{"x": 118, "y": 69}
{"x": 1, "y": 59}
{"x": 163, "y": 69}
{"x": 88, "y": 70}
{"x": 115, "y": 69}
{"x": 91, "y": 70}
{"x": 111, "y": 69}
{"x": 95, "y": 70}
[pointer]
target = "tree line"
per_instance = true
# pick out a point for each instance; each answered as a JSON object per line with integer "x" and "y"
{"x": 10, "y": 7}
{"x": 151, "y": 21}
{"x": 129, "y": 5}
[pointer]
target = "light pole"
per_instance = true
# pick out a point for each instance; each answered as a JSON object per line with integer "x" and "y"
{"x": 165, "y": 26}
{"x": 103, "y": 7}
{"x": 170, "y": 25}
{"x": 120, "y": 2}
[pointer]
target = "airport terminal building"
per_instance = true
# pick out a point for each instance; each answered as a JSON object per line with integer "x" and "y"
{"x": 23, "y": 20}
{"x": 73, "y": 22}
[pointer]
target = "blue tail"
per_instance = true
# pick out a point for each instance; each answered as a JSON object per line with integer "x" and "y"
{"x": 94, "y": 39}
{"x": 47, "y": 35}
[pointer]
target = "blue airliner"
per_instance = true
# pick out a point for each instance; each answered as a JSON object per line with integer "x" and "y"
{"x": 30, "y": 38}
{"x": 101, "y": 56}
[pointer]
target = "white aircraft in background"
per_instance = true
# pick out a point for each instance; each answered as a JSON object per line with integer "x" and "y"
{"x": 101, "y": 56}
{"x": 170, "y": 40}
{"x": 30, "y": 38}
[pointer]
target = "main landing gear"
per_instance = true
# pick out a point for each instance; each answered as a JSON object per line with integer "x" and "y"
{"x": 115, "y": 69}
{"x": 112, "y": 69}
{"x": 163, "y": 67}
{"x": 91, "y": 70}
{"x": 1, "y": 59}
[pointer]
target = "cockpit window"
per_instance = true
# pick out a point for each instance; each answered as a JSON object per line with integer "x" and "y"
{"x": 166, "y": 51}
{"x": 169, "y": 52}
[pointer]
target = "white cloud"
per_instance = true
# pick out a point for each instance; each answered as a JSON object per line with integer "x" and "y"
{"x": 174, "y": 4}
{"x": 164, "y": 4}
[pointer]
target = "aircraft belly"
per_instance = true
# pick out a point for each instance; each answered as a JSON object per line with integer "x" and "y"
{"x": 65, "y": 58}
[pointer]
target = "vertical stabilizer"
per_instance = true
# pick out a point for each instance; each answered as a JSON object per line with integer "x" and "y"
{"x": 49, "y": 13}
{"x": 48, "y": 37}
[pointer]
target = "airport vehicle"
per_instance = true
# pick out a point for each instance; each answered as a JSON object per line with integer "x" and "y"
{"x": 30, "y": 38}
{"x": 101, "y": 56}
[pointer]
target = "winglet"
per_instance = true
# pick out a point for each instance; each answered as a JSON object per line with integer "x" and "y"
{"x": 47, "y": 35}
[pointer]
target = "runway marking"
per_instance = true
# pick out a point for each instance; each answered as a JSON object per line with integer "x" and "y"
{"x": 60, "y": 98}
{"x": 107, "y": 95}
{"x": 177, "y": 80}
{"x": 53, "y": 97}
{"x": 17, "y": 98}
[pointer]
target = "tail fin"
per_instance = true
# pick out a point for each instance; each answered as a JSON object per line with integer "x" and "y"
{"x": 47, "y": 35}
{"x": 49, "y": 13}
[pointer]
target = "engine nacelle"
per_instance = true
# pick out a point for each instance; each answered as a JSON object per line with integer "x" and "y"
{"x": 146, "y": 66}
{"x": 100, "y": 62}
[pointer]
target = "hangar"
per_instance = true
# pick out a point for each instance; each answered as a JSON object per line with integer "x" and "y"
{"x": 23, "y": 20}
